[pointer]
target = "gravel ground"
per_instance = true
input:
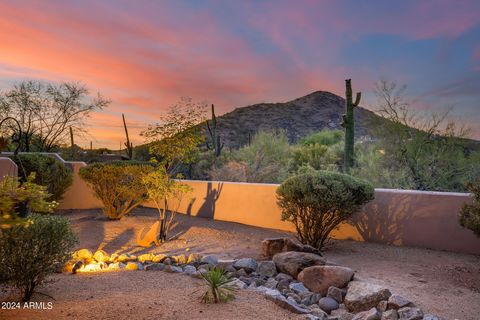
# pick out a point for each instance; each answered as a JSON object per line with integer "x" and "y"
{"x": 443, "y": 283}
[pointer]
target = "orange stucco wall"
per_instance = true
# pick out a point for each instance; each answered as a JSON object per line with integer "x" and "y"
{"x": 398, "y": 217}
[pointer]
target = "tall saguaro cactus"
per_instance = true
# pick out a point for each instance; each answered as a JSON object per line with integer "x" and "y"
{"x": 72, "y": 143}
{"x": 215, "y": 139}
{"x": 128, "y": 144}
{"x": 349, "y": 125}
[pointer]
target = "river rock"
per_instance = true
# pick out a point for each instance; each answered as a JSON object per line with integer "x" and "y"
{"x": 335, "y": 293}
{"x": 430, "y": 317}
{"x": 327, "y": 304}
{"x": 189, "y": 269}
{"x": 154, "y": 267}
{"x": 238, "y": 284}
{"x": 271, "y": 283}
{"x": 371, "y": 314}
{"x": 390, "y": 315}
{"x": 272, "y": 246}
{"x": 209, "y": 259}
{"x": 397, "y": 301}
{"x": 361, "y": 296}
{"x": 320, "y": 278}
{"x": 283, "y": 302}
{"x": 298, "y": 287}
{"x": 159, "y": 258}
{"x": 267, "y": 268}
{"x": 248, "y": 264}
{"x": 101, "y": 256}
{"x": 293, "y": 263}
{"x": 410, "y": 313}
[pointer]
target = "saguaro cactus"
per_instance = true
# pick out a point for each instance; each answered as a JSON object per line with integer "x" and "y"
{"x": 349, "y": 125}
{"x": 72, "y": 143}
{"x": 215, "y": 139}
{"x": 128, "y": 144}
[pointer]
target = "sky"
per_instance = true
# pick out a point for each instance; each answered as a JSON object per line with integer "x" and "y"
{"x": 146, "y": 55}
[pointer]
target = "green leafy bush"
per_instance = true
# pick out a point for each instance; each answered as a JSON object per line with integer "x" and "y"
{"x": 49, "y": 172}
{"x": 317, "y": 202}
{"x": 16, "y": 197}
{"x": 28, "y": 254}
{"x": 325, "y": 137}
{"x": 470, "y": 213}
{"x": 118, "y": 184}
{"x": 219, "y": 286}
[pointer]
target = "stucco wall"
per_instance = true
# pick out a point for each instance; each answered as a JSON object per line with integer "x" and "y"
{"x": 399, "y": 217}
{"x": 7, "y": 168}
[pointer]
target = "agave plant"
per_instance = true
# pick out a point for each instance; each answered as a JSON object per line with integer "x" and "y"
{"x": 219, "y": 286}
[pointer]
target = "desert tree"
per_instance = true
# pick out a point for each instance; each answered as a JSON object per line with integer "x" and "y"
{"x": 47, "y": 111}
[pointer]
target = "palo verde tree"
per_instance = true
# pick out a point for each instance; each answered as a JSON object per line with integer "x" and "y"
{"x": 174, "y": 141}
{"x": 349, "y": 125}
{"x": 46, "y": 111}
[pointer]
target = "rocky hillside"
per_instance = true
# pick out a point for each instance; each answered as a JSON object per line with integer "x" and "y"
{"x": 298, "y": 118}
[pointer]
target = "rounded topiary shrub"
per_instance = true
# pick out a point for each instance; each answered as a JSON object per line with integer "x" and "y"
{"x": 49, "y": 172}
{"x": 470, "y": 213}
{"x": 118, "y": 184}
{"x": 29, "y": 253}
{"x": 317, "y": 202}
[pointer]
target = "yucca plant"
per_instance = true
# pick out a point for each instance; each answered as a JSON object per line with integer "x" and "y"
{"x": 219, "y": 286}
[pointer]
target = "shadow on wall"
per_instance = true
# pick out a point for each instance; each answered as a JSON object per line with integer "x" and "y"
{"x": 207, "y": 209}
{"x": 385, "y": 221}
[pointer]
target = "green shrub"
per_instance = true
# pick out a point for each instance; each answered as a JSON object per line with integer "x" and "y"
{"x": 219, "y": 286}
{"x": 118, "y": 184}
{"x": 29, "y": 254}
{"x": 325, "y": 137}
{"x": 317, "y": 202}
{"x": 49, "y": 172}
{"x": 470, "y": 213}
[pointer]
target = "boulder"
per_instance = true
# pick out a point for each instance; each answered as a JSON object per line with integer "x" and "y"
{"x": 390, "y": 315}
{"x": 238, "y": 284}
{"x": 410, "y": 313}
{"x": 293, "y": 263}
{"x": 267, "y": 268}
{"x": 283, "y": 302}
{"x": 159, "y": 258}
{"x": 328, "y": 304}
{"x": 146, "y": 257}
{"x": 362, "y": 296}
{"x": 335, "y": 293}
{"x": 131, "y": 266}
{"x": 371, "y": 314}
{"x": 272, "y": 246}
{"x": 123, "y": 258}
{"x": 101, "y": 256}
{"x": 114, "y": 266}
{"x": 298, "y": 288}
{"x": 320, "y": 278}
{"x": 194, "y": 257}
{"x": 83, "y": 254}
{"x": 397, "y": 301}
{"x": 209, "y": 259}
{"x": 154, "y": 267}
{"x": 248, "y": 264}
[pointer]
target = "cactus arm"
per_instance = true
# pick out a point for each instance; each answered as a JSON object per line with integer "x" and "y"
{"x": 357, "y": 99}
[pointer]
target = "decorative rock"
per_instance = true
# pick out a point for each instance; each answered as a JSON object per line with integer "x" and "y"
{"x": 390, "y": 315}
{"x": 196, "y": 275}
{"x": 238, "y": 284}
{"x": 172, "y": 269}
{"x": 281, "y": 301}
{"x": 320, "y": 278}
{"x": 123, "y": 258}
{"x": 209, "y": 259}
{"x": 267, "y": 268}
{"x": 382, "y": 306}
{"x": 335, "y": 293}
{"x": 146, "y": 257}
{"x": 430, "y": 317}
{"x": 272, "y": 246}
{"x": 122, "y": 265}
{"x": 283, "y": 276}
{"x": 168, "y": 261}
{"x": 293, "y": 263}
{"x": 194, "y": 257}
{"x": 328, "y": 304}
{"x": 101, "y": 256}
{"x": 294, "y": 296}
{"x": 341, "y": 313}
{"x": 371, "y": 314}
{"x": 154, "y": 267}
{"x": 159, "y": 258}
{"x": 271, "y": 283}
{"x": 298, "y": 287}
{"x": 131, "y": 266}
{"x": 314, "y": 298}
{"x": 189, "y": 269}
{"x": 397, "y": 301}
{"x": 83, "y": 254}
{"x": 361, "y": 296}
{"x": 283, "y": 284}
{"x": 113, "y": 257}
{"x": 410, "y": 313}
{"x": 248, "y": 264}
{"x": 114, "y": 266}
{"x": 241, "y": 273}
{"x": 180, "y": 259}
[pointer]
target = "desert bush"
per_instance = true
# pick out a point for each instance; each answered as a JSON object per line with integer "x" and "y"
{"x": 118, "y": 184}
{"x": 470, "y": 213}
{"x": 325, "y": 137}
{"x": 219, "y": 286}
{"x": 49, "y": 172}
{"x": 317, "y": 202}
{"x": 17, "y": 199}
{"x": 28, "y": 254}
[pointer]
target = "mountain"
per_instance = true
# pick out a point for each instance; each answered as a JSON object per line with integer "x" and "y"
{"x": 298, "y": 118}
